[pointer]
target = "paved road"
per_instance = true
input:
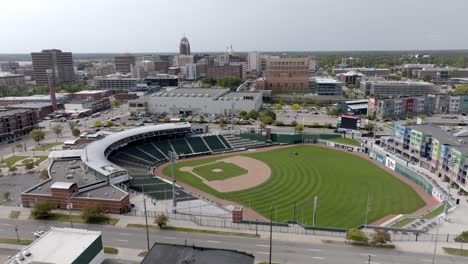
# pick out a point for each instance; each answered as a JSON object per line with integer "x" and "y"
{"x": 283, "y": 251}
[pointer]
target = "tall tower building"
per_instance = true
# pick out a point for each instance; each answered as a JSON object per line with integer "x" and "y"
{"x": 184, "y": 46}
{"x": 61, "y": 64}
{"x": 123, "y": 63}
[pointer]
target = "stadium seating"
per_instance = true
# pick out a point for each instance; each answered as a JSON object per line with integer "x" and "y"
{"x": 164, "y": 146}
{"x": 181, "y": 147}
{"x": 243, "y": 143}
{"x": 198, "y": 145}
{"x": 215, "y": 144}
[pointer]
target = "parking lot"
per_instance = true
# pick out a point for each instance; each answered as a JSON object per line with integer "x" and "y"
{"x": 309, "y": 117}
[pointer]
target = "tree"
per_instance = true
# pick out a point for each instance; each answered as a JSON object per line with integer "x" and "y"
{"x": 334, "y": 111}
{"x": 161, "y": 220}
{"x": 296, "y": 107}
{"x": 116, "y": 103}
{"x": 278, "y": 106}
{"x": 110, "y": 124}
{"x": 6, "y": 196}
{"x": 380, "y": 237}
{"x": 57, "y": 129}
{"x": 357, "y": 236}
{"x": 318, "y": 103}
{"x": 19, "y": 146}
{"x": 72, "y": 124}
{"x": 42, "y": 209}
{"x": 229, "y": 82}
{"x": 266, "y": 120}
{"x": 44, "y": 175}
{"x": 427, "y": 78}
{"x": 37, "y": 135}
{"x": 299, "y": 128}
{"x": 222, "y": 124}
{"x": 242, "y": 114}
{"x": 93, "y": 213}
{"x": 208, "y": 82}
{"x": 462, "y": 237}
{"x": 422, "y": 116}
{"x": 369, "y": 126}
{"x": 29, "y": 165}
{"x": 252, "y": 115}
{"x": 304, "y": 105}
{"x": 76, "y": 132}
{"x": 294, "y": 123}
{"x": 97, "y": 123}
{"x": 461, "y": 89}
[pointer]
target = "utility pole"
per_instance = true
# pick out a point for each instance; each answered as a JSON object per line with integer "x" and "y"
{"x": 17, "y": 235}
{"x": 172, "y": 157}
{"x": 271, "y": 231}
{"x": 146, "y": 218}
{"x": 314, "y": 218}
{"x": 367, "y": 210}
{"x": 447, "y": 203}
{"x": 435, "y": 243}
{"x": 69, "y": 207}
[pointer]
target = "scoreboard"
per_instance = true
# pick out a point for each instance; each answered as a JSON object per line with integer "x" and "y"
{"x": 348, "y": 122}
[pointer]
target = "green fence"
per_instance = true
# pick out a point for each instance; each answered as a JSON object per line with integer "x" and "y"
{"x": 414, "y": 177}
{"x": 290, "y": 138}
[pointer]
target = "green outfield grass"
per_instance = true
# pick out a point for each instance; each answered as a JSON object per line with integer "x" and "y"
{"x": 229, "y": 170}
{"x": 342, "y": 182}
{"x": 346, "y": 141}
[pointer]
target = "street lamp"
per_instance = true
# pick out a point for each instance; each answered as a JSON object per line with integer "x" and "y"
{"x": 13, "y": 150}
{"x": 17, "y": 235}
{"x": 107, "y": 213}
{"x": 461, "y": 246}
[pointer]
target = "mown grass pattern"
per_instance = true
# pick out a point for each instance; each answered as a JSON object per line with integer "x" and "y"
{"x": 229, "y": 171}
{"x": 342, "y": 182}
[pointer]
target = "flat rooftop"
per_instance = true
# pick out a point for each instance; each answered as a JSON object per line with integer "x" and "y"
{"x": 61, "y": 245}
{"x": 191, "y": 92}
{"x": 175, "y": 254}
{"x": 325, "y": 80}
{"x": 443, "y": 136}
{"x": 11, "y": 75}
{"x": 32, "y": 97}
{"x": 91, "y": 92}
{"x": 9, "y": 112}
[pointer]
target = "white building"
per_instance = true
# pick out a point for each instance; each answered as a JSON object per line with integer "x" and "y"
{"x": 65, "y": 246}
{"x": 198, "y": 101}
{"x": 396, "y": 88}
{"x": 190, "y": 71}
{"x": 181, "y": 60}
{"x": 253, "y": 61}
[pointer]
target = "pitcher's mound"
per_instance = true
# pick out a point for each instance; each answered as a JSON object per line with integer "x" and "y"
{"x": 217, "y": 170}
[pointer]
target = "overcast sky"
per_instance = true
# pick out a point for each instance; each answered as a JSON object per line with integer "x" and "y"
{"x": 211, "y": 25}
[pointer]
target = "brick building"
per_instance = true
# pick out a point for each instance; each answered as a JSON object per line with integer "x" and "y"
{"x": 218, "y": 71}
{"x": 16, "y": 123}
{"x": 284, "y": 75}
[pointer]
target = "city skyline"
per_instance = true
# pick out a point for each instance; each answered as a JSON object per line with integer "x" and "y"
{"x": 110, "y": 27}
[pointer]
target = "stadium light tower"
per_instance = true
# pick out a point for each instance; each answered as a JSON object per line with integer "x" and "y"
{"x": 173, "y": 156}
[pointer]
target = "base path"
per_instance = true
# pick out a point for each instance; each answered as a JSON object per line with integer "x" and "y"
{"x": 258, "y": 172}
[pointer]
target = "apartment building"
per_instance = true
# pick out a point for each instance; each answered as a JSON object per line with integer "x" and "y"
{"x": 61, "y": 63}
{"x": 10, "y": 79}
{"x": 218, "y": 71}
{"x": 440, "y": 151}
{"x": 400, "y": 108}
{"x": 396, "y": 88}
{"x": 16, "y": 123}
{"x": 286, "y": 75}
{"x": 440, "y": 73}
{"x": 124, "y": 62}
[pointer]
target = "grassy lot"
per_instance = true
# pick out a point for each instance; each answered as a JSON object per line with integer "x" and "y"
{"x": 437, "y": 211}
{"x": 36, "y": 159}
{"x": 4, "y": 202}
{"x": 341, "y": 181}
{"x": 12, "y": 160}
{"x": 403, "y": 222}
{"x": 14, "y": 214}
{"x": 47, "y": 146}
{"x": 193, "y": 230}
{"x": 346, "y": 141}
{"x": 13, "y": 241}
{"x": 111, "y": 250}
{"x": 78, "y": 219}
{"x": 229, "y": 170}
{"x": 456, "y": 251}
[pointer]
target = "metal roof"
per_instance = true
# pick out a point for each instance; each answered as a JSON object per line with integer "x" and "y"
{"x": 93, "y": 155}
{"x": 62, "y": 185}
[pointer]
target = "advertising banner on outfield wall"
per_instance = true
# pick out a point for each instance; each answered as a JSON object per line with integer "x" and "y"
{"x": 437, "y": 195}
{"x": 390, "y": 163}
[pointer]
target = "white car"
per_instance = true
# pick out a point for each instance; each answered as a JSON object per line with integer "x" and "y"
{"x": 38, "y": 233}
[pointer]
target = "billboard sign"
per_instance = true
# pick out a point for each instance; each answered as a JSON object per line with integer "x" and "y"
{"x": 390, "y": 163}
{"x": 437, "y": 195}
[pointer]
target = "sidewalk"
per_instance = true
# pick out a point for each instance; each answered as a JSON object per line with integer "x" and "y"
{"x": 414, "y": 247}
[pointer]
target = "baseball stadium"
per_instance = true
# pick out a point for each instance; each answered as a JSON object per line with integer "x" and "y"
{"x": 269, "y": 179}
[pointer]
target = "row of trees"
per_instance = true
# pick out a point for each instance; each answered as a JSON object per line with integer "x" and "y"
{"x": 379, "y": 237}
{"x": 228, "y": 82}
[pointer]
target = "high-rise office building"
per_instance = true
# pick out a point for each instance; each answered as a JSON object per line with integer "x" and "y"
{"x": 184, "y": 46}
{"x": 61, "y": 63}
{"x": 253, "y": 61}
{"x": 124, "y": 62}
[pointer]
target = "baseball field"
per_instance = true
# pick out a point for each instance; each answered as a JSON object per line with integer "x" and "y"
{"x": 288, "y": 179}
